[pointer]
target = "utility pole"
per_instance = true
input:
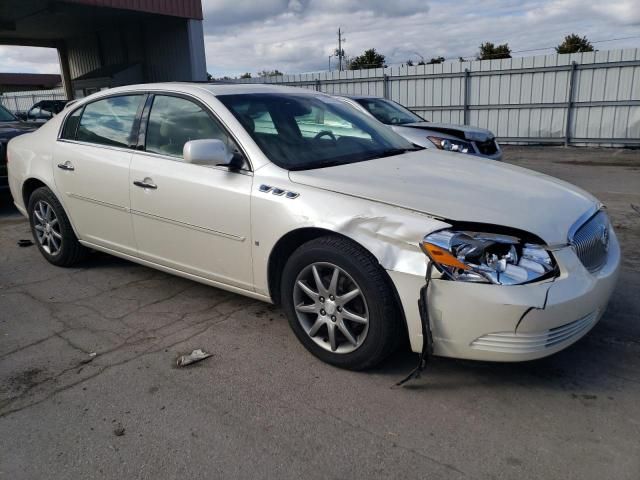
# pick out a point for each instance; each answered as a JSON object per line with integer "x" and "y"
{"x": 339, "y": 49}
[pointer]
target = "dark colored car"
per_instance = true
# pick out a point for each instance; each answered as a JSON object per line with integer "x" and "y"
{"x": 10, "y": 127}
{"x": 44, "y": 110}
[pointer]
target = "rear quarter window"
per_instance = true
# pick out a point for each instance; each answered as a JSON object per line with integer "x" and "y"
{"x": 71, "y": 125}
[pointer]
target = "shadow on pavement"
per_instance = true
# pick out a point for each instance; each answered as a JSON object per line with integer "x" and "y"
{"x": 7, "y": 208}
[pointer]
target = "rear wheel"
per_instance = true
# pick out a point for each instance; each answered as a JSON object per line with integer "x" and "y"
{"x": 52, "y": 230}
{"x": 340, "y": 304}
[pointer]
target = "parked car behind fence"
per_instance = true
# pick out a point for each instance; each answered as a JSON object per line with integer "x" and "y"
{"x": 443, "y": 136}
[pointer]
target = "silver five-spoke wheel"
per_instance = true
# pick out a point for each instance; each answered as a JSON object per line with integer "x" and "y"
{"x": 47, "y": 228}
{"x": 331, "y": 307}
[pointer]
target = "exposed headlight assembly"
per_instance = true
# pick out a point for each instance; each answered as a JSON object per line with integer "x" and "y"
{"x": 487, "y": 258}
{"x": 451, "y": 145}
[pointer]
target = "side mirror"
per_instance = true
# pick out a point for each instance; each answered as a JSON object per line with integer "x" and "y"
{"x": 207, "y": 152}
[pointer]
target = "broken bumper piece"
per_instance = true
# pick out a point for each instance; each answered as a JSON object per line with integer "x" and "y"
{"x": 523, "y": 322}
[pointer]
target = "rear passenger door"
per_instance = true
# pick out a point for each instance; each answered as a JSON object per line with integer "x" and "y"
{"x": 192, "y": 218}
{"x": 91, "y": 169}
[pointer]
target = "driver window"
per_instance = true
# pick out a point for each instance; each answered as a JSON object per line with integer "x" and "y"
{"x": 174, "y": 121}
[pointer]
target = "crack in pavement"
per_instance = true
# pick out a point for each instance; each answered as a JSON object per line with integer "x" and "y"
{"x": 102, "y": 369}
{"x": 383, "y": 438}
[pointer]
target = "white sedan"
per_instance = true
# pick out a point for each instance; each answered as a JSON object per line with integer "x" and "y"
{"x": 293, "y": 197}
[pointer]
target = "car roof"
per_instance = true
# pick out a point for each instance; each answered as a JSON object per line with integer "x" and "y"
{"x": 361, "y": 97}
{"x": 50, "y": 102}
{"x": 213, "y": 88}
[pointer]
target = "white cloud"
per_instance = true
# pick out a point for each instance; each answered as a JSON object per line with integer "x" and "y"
{"x": 299, "y": 35}
{"x": 28, "y": 60}
{"x": 301, "y": 40}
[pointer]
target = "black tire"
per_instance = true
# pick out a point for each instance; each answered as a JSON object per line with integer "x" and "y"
{"x": 385, "y": 326}
{"x": 70, "y": 251}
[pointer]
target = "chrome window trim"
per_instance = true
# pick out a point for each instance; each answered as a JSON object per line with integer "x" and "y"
{"x": 97, "y": 145}
{"x": 180, "y": 160}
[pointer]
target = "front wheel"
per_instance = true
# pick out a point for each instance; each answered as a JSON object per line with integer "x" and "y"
{"x": 339, "y": 303}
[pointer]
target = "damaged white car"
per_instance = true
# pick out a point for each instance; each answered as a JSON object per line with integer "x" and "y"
{"x": 293, "y": 197}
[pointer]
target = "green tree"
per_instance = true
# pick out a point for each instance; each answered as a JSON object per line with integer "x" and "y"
{"x": 573, "y": 44}
{"x": 489, "y": 51}
{"x": 436, "y": 60}
{"x": 245, "y": 75}
{"x": 270, "y": 73}
{"x": 369, "y": 59}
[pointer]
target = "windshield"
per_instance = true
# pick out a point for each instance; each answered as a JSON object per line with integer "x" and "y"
{"x": 388, "y": 112}
{"x": 6, "y": 115}
{"x": 300, "y": 132}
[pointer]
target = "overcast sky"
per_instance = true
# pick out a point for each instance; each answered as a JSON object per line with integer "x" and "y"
{"x": 296, "y": 36}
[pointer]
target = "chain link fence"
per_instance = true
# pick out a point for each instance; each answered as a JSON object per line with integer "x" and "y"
{"x": 21, "y": 102}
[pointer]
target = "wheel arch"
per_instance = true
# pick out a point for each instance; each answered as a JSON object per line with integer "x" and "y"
{"x": 289, "y": 242}
{"x": 30, "y": 185}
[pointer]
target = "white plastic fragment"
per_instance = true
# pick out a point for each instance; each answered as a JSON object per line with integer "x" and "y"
{"x": 195, "y": 356}
{"x": 92, "y": 355}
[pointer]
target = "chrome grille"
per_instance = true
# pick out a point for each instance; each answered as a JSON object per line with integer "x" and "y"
{"x": 591, "y": 241}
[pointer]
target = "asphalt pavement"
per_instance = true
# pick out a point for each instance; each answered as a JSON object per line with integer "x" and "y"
{"x": 89, "y": 386}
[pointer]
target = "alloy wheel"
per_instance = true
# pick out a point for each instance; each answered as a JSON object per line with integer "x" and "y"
{"x": 47, "y": 228}
{"x": 331, "y": 307}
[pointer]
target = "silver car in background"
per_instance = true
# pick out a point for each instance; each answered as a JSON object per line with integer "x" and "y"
{"x": 443, "y": 136}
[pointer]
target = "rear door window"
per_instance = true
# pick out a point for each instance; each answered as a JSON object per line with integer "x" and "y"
{"x": 109, "y": 121}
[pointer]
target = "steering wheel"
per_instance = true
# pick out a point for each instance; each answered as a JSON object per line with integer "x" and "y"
{"x": 394, "y": 120}
{"x": 325, "y": 133}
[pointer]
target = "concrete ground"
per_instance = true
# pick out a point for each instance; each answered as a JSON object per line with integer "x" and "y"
{"x": 262, "y": 407}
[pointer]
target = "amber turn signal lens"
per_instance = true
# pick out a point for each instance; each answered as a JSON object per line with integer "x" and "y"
{"x": 440, "y": 256}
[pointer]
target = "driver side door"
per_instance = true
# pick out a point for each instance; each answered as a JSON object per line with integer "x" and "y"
{"x": 192, "y": 218}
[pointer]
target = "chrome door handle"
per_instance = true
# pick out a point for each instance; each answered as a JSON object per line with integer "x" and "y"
{"x": 66, "y": 166}
{"x": 145, "y": 184}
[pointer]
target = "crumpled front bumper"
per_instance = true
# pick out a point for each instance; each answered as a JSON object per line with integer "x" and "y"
{"x": 524, "y": 322}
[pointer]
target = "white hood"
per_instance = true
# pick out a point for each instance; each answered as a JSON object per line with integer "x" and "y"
{"x": 458, "y": 187}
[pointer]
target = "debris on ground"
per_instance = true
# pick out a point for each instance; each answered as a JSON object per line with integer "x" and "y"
{"x": 92, "y": 355}
{"x": 193, "y": 357}
{"x": 119, "y": 430}
{"x": 25, "y": 243}
{"x": 636, "y": 208}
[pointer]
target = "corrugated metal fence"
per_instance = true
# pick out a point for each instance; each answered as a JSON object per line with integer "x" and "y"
{"x": 23, "y": 101}
{"x": 579, "y": 99}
